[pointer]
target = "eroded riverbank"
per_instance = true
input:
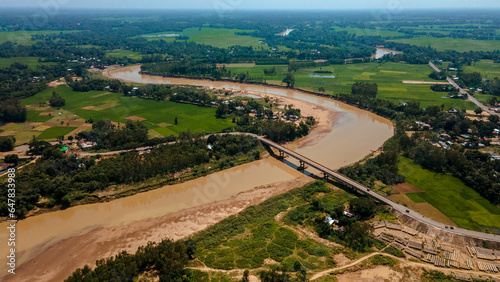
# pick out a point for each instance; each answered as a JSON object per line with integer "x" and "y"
{"x": 53, "y": 245}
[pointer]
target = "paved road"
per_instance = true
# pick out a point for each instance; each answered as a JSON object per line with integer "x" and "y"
{"x": 462, "y": 91}
{"x": 434, "y": 67}
{"x": 365, "y": 190}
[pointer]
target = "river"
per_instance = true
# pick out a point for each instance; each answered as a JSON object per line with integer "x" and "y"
{"x": 355, "y": 134}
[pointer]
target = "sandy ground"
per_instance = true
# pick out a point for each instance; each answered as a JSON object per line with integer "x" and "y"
{"x": 324, "y": 117}
{"x": 404, "y": 188}
{"x": 425, "y": 209}
{"x": 99, "y": 243}
{"x": 86, "y": 248}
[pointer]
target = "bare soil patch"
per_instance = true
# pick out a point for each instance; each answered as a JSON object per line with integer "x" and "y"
{"x": 46, "y": 113}
{"x": 88, "y": 108}
{"x": 424, "y": 82}
{"x": 404, "y": 188}
{"x": 163, "y": 124}
{"x": 135, "y": 118}
{"x": 8, "y": 133}
{"x": 425, "y": 209}
{"x": 379, "y": 273}
{"x": 106, "y": 106}
{"x": 7, "y": 125}
{"x": 102, "y": 94}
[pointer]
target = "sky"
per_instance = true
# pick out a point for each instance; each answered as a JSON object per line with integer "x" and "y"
{"x": 256, "y": 4}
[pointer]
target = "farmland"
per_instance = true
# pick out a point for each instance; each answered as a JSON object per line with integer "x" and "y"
{"x": 24, "y": 37}
{"x": 124, "y": 53}
{"x": 388, "y": 76}
{"x": 97, "y": 105}
{"x": 369, "y": 32}
{"x": 31, "y": 62}
{"x": 217, "y": 37}
{"x": 487, "y": 68}
{"x": 458, "y": 44}
{"x": 450, "y": 196}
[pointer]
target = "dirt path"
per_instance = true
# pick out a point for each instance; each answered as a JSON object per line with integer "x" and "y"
{"x": 358, "y": 261}
{"x": 405, "y": 263}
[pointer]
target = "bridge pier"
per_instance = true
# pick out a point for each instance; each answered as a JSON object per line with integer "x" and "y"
{"x": 282, "y": 155}
{"x": 302, "y": 166}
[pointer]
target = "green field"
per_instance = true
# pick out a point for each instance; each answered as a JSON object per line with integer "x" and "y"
{"x": 388, "y": 76}
{"x": 369, "y": 32}
{"x": 31, "y": 62}
{"x": 125, "y": 53}
{"x": 256, "y": 235}
{"x": 34, "y": 116}
{"x": 24, "y": 37}
{"x": 458, "y": 44}
{"x": 487, "y": 68}
{"x": 451, "y": 196}
{"x": 56, "y": 131}
{"x": 217, "y": 37}
{"x": 159, "y": 116}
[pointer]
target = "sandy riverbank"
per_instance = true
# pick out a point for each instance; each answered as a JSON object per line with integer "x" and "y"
{"x": 60, "y": 260}
{"x": 104, "y": 242}
{"x": 324, "y": 117}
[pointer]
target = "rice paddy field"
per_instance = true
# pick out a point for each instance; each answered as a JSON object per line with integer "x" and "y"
{"x": 31, "y": 62}
{"x": 24, "y": 37}
{"x": 81, "y": 106}
{"x": 369, "y": 32}
{"x": 388, "y": 76}
{"x": 450, "y": 196}
{"x": 217, "y": 37}
{"x": 458, "y": 44}
{"x": 124, "y": 53}
{"x": 487, "y": 68}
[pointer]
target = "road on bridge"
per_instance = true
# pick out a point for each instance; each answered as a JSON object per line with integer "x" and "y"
{"x": 366, "y": 191}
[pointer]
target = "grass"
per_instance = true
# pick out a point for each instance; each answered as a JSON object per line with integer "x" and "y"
{"x": 458, "y": 44}
{"x": 451, "y": 196}
{"x": 487, "y": 68}
{"x": 217, "y": 37}
{"x": 370, "y": 32}
{"x": 388, "y": 76}
{"x": 55, "y": 132}
{"x": 124, "y": 53}
{"x": 31, "y": 62}
{"x": 254, "y": 235}
{"x": 24, "y": 37}
{"x": 194, "y": 118}
{"x": 34, "y": 116}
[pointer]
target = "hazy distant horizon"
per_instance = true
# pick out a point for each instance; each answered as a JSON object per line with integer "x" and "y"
{"x": 255, "y": 4}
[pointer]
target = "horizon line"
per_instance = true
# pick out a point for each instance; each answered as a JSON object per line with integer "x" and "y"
{"x": 255, "y": 9}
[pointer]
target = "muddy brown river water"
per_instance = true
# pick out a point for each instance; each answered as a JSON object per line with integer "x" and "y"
{"x": 355, "y": 134}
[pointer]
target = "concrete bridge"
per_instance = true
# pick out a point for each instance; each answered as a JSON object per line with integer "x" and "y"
{"x": 329, "y": 173}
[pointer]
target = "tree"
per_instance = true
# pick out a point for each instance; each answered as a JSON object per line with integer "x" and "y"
{"x": 478, "y": 110}
{"x": 289, "y": 80}
{"x": 175, "y": 122}
{"x": 245, "y": 276}
{"x": 365, "y": 89}
{"x": 363, "y": 206}
{"x": 12, "y": 111}
{"x": 56, "y": 100}
{"x": 12, "y": 159}
{"x": 221, "y": 111}
{"x": 321, "y": 89}
{"x": 7, "y": 143}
